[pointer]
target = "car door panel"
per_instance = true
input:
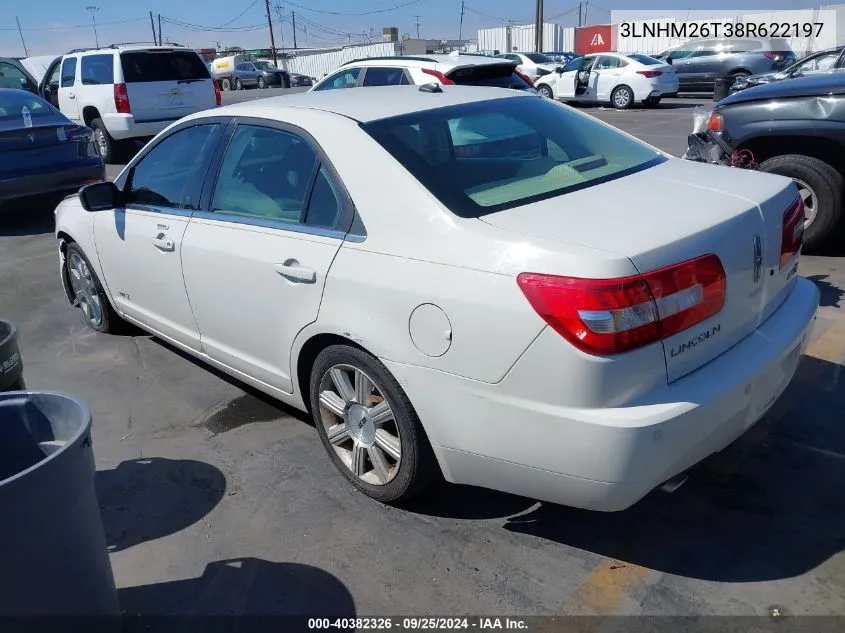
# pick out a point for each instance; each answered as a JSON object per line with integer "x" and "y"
{"x": 67, "y": 89}
{"x": 604, "y": 77}
{"x": 140, "y": 244}
{"x": 254, "y": 270}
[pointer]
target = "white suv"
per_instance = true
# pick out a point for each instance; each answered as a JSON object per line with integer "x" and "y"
{"x": 127, "y": 92}
{"x": 475, "y": 70}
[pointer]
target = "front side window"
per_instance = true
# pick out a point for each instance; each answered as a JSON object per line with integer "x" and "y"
{"x": 487, "y": 156}
{"x": 53, "y": 81}
{"x": 170, "y": 174}
{"x": 264, "y": 66}
{"x": 818, "y": 64}
{"x": 68, "y": 72}
{"x": 265, "y": 174}
{"x": 343, "y": 79}
{"x": 13, "y": 77}
{"x": 97, "y": 70}
{"x": 384, "y": 77}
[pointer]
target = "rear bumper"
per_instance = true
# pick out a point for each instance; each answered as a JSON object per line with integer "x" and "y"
{"x": 124, "y": 126}
{"x": 65, "y": 179}
{"x": 606, "y": 459}
{"x": 661, "y": 89}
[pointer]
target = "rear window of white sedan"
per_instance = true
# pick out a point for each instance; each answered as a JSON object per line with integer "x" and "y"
{"x": 487, "y": 156}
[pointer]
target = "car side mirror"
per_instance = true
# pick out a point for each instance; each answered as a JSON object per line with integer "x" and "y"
{"x": 559, "y": 70}
{"x": 100, "y": 196}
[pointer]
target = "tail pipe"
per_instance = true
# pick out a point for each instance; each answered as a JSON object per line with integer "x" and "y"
{"x": 674, "y": 483}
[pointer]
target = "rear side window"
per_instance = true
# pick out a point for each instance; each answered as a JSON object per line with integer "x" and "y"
{"x": 149, "y": 66}
{"x": 487, "y": 156}
{"x": 645, "y": 60}
{"x": 97, "y": 70}
{"x": 492, "y": 75}
{"x": 384, "y": 77}
{"x": 68, "y": 72}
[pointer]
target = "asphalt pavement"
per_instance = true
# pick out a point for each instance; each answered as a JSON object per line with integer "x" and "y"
{"x": 218, "y": 500}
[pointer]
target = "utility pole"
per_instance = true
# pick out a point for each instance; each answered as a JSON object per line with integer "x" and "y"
{"x": 272, "y": 37}
{"x": 586, "y": 6}
{"x": 418, "y": 26}
{"x": 538, "y": 29}
{"x": 461, "y": 29}
{"x": 160, "y": 41}
{"x": 579, "y": 14}
{"x": 293, "y": 25}
{"x": 20, "y": 30}
{"x": 92, "y": 10}
{"x": 153, "y": 25}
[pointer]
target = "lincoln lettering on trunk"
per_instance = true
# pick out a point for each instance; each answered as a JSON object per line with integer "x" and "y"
{"x": 683, "y": 347}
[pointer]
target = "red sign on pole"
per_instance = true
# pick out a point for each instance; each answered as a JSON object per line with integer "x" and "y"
{"x": 598, "y": 38}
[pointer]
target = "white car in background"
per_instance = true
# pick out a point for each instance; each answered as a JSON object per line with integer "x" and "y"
{"x": 469, "y": 282}
{"x": 534, "y": 65}
{"x": 619, "y": 78}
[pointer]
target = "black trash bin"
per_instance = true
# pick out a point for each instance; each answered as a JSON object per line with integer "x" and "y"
{"x": 11, "y": 366}
{"x": 52, "y": 542}
{"x": 722, "y": 87}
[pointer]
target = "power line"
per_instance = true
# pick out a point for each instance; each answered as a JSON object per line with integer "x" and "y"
{"x": 487, "y": 15}
{"x": 373, "y": 12}
{"x": 240, "y": 15}
{"x": 205, "y": 29}
{"x": 68, "y": 28}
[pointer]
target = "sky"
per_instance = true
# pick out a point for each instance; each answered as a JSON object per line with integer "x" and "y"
{"x": 52, "y": 27}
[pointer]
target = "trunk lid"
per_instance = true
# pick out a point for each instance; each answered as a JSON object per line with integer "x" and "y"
{"x": 48, "y": 143}
{"x": 674, "y": 212}
{"x": 166, "y": 84}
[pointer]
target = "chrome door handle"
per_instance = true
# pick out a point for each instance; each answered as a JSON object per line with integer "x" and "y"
{"x": 294, "y": 272}
{"x": 71, "y": 96}
{"x": 163, "y": 243}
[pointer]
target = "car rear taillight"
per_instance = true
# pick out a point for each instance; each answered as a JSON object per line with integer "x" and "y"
{"x": 121, "y": 99}
{"x": 218, "y": 98}
{"x": 439, "y": 76}
{"x": 769, "y": 55}
{"x": 524, "y": 78}
{"x": 611, "y": 316}
{"x": 715, "y": 122}
{"x": 792, "y": 235}
{"x": 651, "y": 74}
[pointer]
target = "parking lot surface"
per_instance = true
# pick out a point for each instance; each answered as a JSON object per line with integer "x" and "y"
{"x": 217, "y": 500}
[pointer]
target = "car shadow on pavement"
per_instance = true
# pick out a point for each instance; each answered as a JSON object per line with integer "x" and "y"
{"x": 245, "y": 594}
{"x": 22, "y": 220}
{"x": 831, "y": 295}
{"x": 145, "y": 499}
{"x": 770, "y": 506}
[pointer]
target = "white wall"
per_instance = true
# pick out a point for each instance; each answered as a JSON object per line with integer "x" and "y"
{"x": 555, "y": 38}
{"x": 318, "y": 63}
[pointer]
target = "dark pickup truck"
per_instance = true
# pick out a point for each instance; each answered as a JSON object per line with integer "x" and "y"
{"x": 795, "y": 128}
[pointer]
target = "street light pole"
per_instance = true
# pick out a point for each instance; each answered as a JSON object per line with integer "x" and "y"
{"x": 92, "y": 10}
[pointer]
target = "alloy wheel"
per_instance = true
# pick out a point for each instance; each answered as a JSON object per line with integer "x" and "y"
{"x": 621, "y": 98}
{"x": 811, "y": 201}
{"x": 101, "y": 142}
{"x": 85, "y": 289}
{"x": 360, "y": 424}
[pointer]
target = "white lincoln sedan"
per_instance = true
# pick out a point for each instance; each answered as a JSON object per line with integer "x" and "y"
{"x": 471, "y": 283}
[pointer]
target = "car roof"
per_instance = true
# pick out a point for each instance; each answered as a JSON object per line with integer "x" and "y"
{"x": 367, "y": 104}
{"x": 123, "y": 48}
{"x": 417, "y": 61}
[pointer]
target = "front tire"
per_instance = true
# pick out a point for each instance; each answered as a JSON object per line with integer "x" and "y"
{"x": 238, "y": 85}
{"x": 261, "y": 83}
{"x": 622, "y": 97}
{"x": 88, "y": 292}
{"x": 545, "y": 91}
{"x": 821, "y": 187}
{"x": 368, "y": 426}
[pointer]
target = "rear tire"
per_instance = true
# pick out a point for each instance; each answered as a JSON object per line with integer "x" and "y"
{"x": 622, "y": 97}
{"x": 109, "y": 149}
{"x": 384, "y": 454}
{"x": 820, "y": 185}
{"x": 226, "y": 84}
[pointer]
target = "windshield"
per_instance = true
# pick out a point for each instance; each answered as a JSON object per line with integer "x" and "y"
{"x": 645, "y": 60}
{"x": 487, "y": 156}
{"x": 12, "y": 103}
{"x": 539, "y": 58}
{"x": 264, "y": 66}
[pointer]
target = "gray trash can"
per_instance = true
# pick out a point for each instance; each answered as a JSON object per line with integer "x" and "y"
{"x": 11, "y": 366}
{"x": 52, "y": 541}
{"x": 722, "y": 87}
